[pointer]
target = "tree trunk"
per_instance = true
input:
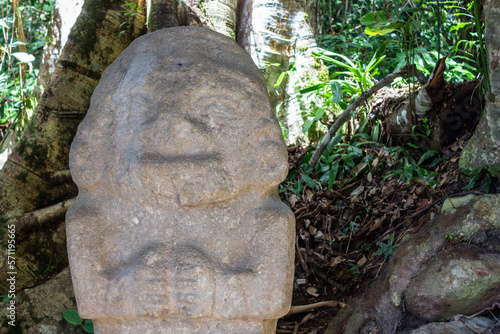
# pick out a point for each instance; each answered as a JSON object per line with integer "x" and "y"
{"x": 278, "y": 32}
{"x": 31, "y": 176}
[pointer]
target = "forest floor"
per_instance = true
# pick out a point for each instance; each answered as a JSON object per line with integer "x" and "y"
{"x": 345, "y": 235}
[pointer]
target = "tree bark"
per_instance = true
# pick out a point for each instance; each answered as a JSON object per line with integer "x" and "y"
{"x": 27, "y": 182}
{"x": 278, "y": 32}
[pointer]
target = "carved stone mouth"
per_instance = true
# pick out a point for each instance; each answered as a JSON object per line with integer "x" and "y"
{"x": 189, "y": 158}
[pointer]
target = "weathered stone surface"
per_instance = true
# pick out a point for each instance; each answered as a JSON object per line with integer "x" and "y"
{"x": 465, "y": 282}
{"x": 38, "y": 310}
{"x": 177, "y": 227}
{"x": 461, "y": 325}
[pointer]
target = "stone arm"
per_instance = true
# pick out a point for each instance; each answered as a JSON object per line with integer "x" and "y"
{"x": 265, "y": 291}
{"x": 99, "y": 292}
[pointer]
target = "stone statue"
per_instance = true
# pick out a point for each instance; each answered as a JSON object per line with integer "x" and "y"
{"x": 177, "y": 227}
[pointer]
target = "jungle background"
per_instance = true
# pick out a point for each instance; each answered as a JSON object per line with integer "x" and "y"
{"x": 377, "y": 100}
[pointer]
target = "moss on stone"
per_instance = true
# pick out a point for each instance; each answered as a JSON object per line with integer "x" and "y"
{"x": 22, "y": 176}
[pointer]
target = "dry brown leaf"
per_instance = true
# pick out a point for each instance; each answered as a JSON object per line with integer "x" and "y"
{"x": 359, "y": 167}
{"x": 378, "y": 223}
{"x": 361, "y": 261}
{"x": 357, "y": 191}
{"x": 309, "y": 195}
{"x": 336, "y": 261}
{"x": 312, "y": 291}
{"x": 443, "y": 181}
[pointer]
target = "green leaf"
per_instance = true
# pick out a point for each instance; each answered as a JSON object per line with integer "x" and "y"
{"x": 309, "y": 181}
{"x": 298, "y": 188}
{"x": 23, "y": 57}
{"x": 319, "y": 113}
{"x": 334, "y": 141}
{"x": 376, "y": 131}
{"x": 373, "y": 18}
{"x": 48, "y": 8}
{"x": 3, "y": 24}
{"x": 383, "y": 30}
{"x": 426, "y": 156}
{"x": 280, "y": 80}
{"x": 307, "y": 125}
{"x": 333, "y": 174}
{"x": 348, "y": 160}
{"x": 337, "y": 92}
{"x": 17, "y": 43}
{"x": 72, "y": 317}
{"x": 88, "y": 326}
{"x": 312, "y": 88}
{"x": 291, "y": 175}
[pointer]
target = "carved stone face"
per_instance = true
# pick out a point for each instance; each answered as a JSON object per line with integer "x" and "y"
{"x": 190, "y": 129}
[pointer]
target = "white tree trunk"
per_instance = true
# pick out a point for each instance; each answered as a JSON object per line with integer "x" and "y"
{"x": 277, "y": 31}
{"x": 64, "y": 17}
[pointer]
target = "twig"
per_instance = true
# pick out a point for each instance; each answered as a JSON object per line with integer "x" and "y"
{"x": 301, "y": 259}
{"x": 42, "y": 216}
{"x": 310, "y": 307}
{"x": 354, "y": 105}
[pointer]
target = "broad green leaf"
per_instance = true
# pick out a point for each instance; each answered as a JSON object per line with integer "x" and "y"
{"x": 435, "y": 162}
{"x": 291, "y": 175}
{"x": 375, "y": 131}
{"x": 426, "y": 156}
{"x": 325, "y": 177}
{"x": 337, "y": 92}
{"x": 319, "y": 113}
{"x": 72, "y": 317}
{"x": 382, "y": 30}
{"x": 307, "y": 125}
{"x": 362, "y": 126}
{"x": 309, "y": 181}
{"x": 88, "y": 326}
{"x": 335, "y": 54}
{"x": 17, "y": 43}
{"x": 348, "y": 160}
{"x": 298, "y": 188}
{"x": 280, "y": 80}
{"x": 334, "y": 141}
{"x": 312, "y": 88}
{"x": 373, "y": 18}
{"x": 23, "y": 57}
{"x": 333, "y": 173}
{"x": 3, "y": 24}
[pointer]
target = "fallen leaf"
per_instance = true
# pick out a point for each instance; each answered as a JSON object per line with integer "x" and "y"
{"x": 361, "y": 261}
{"x": 336, "y": 261}
{"x": 357, "y": 191}
{"x": 312, "y": 291}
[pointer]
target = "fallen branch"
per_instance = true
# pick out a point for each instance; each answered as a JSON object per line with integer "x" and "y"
{"x": 345, "y": 115}
{"x": 310, "y": 307}
{"x": 42, "y": 216}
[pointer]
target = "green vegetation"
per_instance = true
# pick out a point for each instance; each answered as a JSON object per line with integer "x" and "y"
{"x": 129, "y": 11}
{"x": 73, "y": 318}
{"x": 362, "y": 42}
{"x": 24, "y": 27}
